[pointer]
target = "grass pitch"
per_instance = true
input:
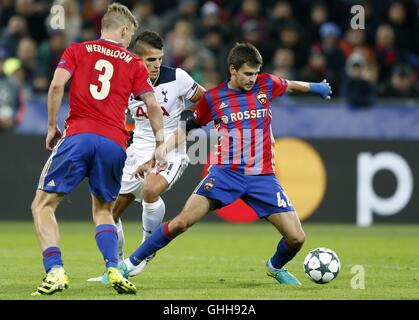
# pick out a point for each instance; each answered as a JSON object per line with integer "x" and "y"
{"x": 218, "y": 261}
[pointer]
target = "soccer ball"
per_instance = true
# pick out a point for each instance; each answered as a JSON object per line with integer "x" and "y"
{"x": 321, "y": 265}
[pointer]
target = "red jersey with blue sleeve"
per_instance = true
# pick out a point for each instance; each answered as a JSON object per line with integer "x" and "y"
{"x": 104, "y": 74}
{"x": 243, "y": 120}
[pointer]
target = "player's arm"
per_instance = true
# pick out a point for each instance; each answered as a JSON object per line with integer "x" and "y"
{"x": 178, "y": 137}
{"x": 155, "y": 116}
{"x": 321, "y": 88}
{"x": 55, "y": 96}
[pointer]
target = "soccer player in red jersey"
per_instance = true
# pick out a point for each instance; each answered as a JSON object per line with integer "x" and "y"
{"x": 243, "y": 165}
{"x": 104, "y": 74}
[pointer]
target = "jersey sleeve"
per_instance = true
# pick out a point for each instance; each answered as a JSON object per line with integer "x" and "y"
{"x": 142, "y": 82}
{"x": 203, "y": 112}
{"x": 187, "y": 86}
{"x": 68, "y": 59}
{"x": 279, "y": 86}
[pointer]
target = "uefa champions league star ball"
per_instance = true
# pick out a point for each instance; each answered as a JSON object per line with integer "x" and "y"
{"x": 321, "y": 265}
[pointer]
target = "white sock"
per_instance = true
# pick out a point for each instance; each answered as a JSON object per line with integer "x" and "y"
{"x": 129, "y": 264}
{"x": 121, "y": 240}
{"x": 270, "y": 266}
{"x": 153, "y": 214}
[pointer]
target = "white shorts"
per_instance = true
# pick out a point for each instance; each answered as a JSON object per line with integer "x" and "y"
{"x": 177, "y": 163}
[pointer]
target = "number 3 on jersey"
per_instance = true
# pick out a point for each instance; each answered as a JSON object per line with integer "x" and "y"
{"x": 104, "y": 78}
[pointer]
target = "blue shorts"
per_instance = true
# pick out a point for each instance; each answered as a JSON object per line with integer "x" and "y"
{"x": 263, "y": 193}
{"x": 85, "y": 155}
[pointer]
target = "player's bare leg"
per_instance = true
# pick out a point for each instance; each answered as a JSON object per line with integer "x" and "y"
{"x": 107, "y": 242}
{"x": 289, "y": 225}
{"x": 43, "y": 211}
{"x": 195, "y": 209}
{"x": 121, "y": 204}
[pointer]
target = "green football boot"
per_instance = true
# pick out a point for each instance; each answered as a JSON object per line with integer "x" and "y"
{"x": 283, "y": 276}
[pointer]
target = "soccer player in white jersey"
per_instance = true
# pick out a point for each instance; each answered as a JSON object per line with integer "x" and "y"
{"x": 172, "y": 87}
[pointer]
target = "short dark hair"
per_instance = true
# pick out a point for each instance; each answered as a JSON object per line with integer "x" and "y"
{"x": 150, "y": 38}
{"x": 244, "y": 53}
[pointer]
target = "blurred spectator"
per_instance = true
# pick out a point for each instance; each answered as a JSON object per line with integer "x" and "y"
{"x": 12, "y": 106}
{"x": 250, "y": 10}
{"x": 318, "y": 16}
{"x": 95, "y": 12}
{"x": 144, "y": 12}
{"x": 88, "y": 32}
{"x": 283, "y": 64}
{"x": 290, "y": 37}
{"x": 34, "y": 76}
{"x": 50, "y": 52}
{"x": 6, "y": 12}
{"x": 386, "y": 52}
{"x": 358, "y": 89}
{"x": 179, "y": 43}
{"x": 281, "y": 14}
{"x": 214, "y": 42}
{"x": 329, "y": 46}
{"x": 35, "y": 14}
{"x": 355, "y": 39}
{"x": 401, "y": 85}
{"x": 186, "y": 10}
{"x": 397, "y": 17}
{"x": 15, "y": 31}
{"x": 316, "y": 68}
{"x": 211, "y": 15}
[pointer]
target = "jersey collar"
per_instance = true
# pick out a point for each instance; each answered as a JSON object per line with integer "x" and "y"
{"x": 112, "y": 41}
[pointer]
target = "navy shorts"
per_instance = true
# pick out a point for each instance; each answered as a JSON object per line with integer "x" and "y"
{"x": 85, "y": 155}
{"x": 263, "y": 193}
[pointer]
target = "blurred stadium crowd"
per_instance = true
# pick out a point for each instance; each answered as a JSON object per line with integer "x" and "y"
{"x": 299, "y": 39}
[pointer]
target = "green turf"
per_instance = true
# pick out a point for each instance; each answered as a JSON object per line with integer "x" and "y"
{"x": 220, "y": 261}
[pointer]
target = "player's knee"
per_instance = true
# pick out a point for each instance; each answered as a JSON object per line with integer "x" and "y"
{"x": 150, "y": 193}
{"x": 297, "y": 241}
{"x": 35, "y": 207}
{"x": 179, "y": 226}
{"x": 38, "y": 204}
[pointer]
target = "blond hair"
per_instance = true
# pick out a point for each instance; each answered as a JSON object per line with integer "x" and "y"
{"x": 117, "y": 16}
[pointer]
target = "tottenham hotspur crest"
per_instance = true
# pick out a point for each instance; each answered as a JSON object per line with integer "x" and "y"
{"x": 262, "y": 97}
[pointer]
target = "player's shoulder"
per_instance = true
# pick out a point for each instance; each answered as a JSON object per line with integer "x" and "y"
{"x": 263, "y": 76}
{"x": 270, "y": 80}
{"x": 215, "y": 89}
{"x": 167, "y": 74}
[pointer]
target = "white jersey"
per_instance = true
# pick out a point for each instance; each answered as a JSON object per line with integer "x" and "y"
{"x": 173, "y": 87}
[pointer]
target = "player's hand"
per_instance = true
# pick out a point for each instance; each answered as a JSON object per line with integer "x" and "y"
{"x": 53, "y": 135}
{"x": 144, "y": 169}
{"x": 160, "y": 156}
{"x": 325, "y": 89}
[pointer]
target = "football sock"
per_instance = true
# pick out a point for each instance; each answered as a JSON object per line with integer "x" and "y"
{"x": 121, "y": 240}
{"x": 107, "y": 242}
{"x": 153, "y": 214}
{"x": 283, "y": 254}
{"x": 52, "y": 258}
{"x": 159, "y": 239}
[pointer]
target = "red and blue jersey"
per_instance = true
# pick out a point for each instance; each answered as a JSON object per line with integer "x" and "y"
{"x": 243, "y": 121}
